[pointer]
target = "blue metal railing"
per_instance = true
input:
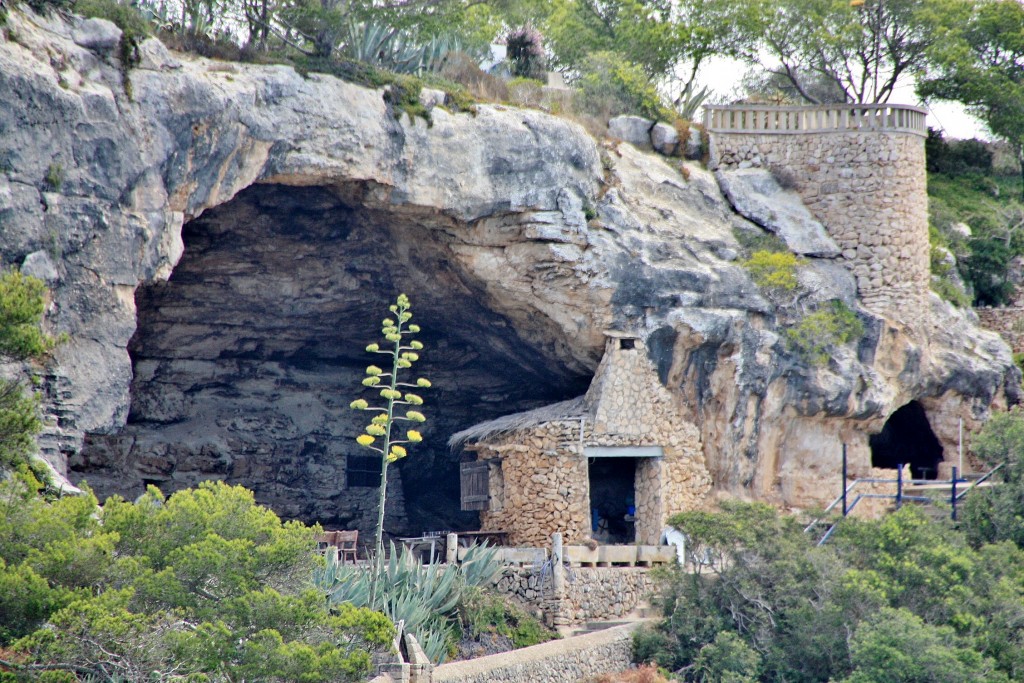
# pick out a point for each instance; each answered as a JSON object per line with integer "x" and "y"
{"x": 899, "y": 497}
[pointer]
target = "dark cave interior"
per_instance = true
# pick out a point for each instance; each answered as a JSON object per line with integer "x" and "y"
{"x": 907, "y": 437}
{"x": 246, "y": 359}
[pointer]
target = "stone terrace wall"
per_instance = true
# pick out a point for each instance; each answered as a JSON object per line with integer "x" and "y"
{"x": 591, "y": 593}
{"x": 1008, "y": 322}
{"x": 868, "y": 189}
{"x": 559, "y": 661}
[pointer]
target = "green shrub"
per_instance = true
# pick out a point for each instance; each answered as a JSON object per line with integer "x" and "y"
{"x": 482, "y": 612}
{"x": 956, "y": 157}
{"x": 899, "y": 599}
{"x": 22, "y": 304}
{"x": 47, "y": 6}
{"x": 19, "y": 424}
{"x": 773, "y": 270}
{"x": 54, "y": 177}
{"x": 528, "y": 631}
{"x": 205, "y": 584}
{"x": 756, "y": 239}
{"x": 951, "y": 293}
{"x": 525, "y": 92}
{"x": 26, "y": 600}
{"x": 727, "y": 658}
{"x": 817, "y": 334}
{"x": 610, "y": 86}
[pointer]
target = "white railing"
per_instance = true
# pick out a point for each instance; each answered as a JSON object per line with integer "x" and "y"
{"x": 832, "y": 118}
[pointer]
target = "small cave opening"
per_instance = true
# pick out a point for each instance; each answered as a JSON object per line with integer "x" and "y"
{"x": 907, "y": 438}
{"x": 612, "y": 499}
{"x": 246, "y": 359}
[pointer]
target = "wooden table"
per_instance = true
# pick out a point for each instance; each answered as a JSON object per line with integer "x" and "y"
{"x": 418, "y": 544}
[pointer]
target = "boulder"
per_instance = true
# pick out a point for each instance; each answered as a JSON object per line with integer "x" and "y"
{"x": 636, "y": 130}
{"x": 757, "y": 196}
{"x": 694, "y": 146}
{"x": 665, "y": 139}
{"x": 98, "y": 35}
{"x": 39, "y": 264}
{"x": 154, "y": 56}
{"x": 430, "y": 98}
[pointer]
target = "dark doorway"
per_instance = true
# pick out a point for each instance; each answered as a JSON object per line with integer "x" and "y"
{"x": 612, "y": 502}
{"x": 908, "y": 438}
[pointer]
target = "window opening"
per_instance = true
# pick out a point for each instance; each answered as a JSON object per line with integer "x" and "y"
{"x": 362, "y": 470}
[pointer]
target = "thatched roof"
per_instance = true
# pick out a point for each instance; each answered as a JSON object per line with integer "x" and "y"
{"x": 573, "y": 409}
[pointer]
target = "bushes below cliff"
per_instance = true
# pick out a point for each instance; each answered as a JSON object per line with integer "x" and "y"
{"x": 205, "y": 585}
{"x": 22, "y": 304}
{"x": 900, "y": 599}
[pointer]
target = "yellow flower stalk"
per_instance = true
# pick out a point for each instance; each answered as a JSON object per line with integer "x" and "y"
{"x": 396, "y": 332}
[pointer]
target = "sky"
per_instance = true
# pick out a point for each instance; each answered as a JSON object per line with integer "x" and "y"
{"x": 723, "y": 76}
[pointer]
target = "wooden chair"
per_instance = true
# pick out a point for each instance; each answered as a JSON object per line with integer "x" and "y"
{"x": 347, "y": 543}
{"x": 344, "y": 544}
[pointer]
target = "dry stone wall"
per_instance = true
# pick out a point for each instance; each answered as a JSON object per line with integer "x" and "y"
{"x": 1008, "y": 322}
{"x": 590, "y": 593}
{"x": 545, "y": 485}
{"x": 559, "y": 661}
{"x": 868, "y": 189}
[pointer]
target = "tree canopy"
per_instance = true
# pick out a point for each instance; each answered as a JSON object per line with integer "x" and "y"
{"x": 204, "y": 584}
{"x": 980, "y": 62}
{"x": 903, "y": 599}
{"x": 865, "y": 48}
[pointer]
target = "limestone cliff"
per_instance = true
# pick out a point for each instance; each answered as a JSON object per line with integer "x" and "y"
{"x": 221, "y": 244}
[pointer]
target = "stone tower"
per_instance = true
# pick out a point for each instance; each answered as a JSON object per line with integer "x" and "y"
{"x": 861, "y": 171}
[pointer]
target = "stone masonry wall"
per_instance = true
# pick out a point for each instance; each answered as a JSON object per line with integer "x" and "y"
{"x": 591, "y": 593}
{"x": 543, "y": 477}
{"x": 545, "y": 486}
{"x": 1008, "y": 322}
{"x": 559, "y": 661}
{"x": 546, "y": 480}
{"x": 868, "y": 190}
{"x": 635, "y": 408}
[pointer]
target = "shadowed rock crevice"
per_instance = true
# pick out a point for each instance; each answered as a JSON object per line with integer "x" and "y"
{"x": 245, "y": 361}
{"x": 907, "y": 438}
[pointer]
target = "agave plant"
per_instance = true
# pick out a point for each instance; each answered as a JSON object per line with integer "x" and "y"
{"x": 395, "y": 49}
{"x": 424, "y": 598}
{"x": 690, "y": 100}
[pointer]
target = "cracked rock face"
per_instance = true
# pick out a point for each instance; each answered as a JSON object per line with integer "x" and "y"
{"x": 224, "y": 243}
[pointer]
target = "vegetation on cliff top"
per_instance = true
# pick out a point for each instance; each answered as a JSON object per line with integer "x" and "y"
{"x": 797, "y": 50}
{"x": 976, "y": 218}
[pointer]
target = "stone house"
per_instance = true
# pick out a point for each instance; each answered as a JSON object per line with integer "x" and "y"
{"x": 613, "y": 464}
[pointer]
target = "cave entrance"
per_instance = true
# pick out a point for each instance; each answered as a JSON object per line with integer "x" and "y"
{"x": 246, "y": 359}
{"x": 613, "y": 499}
{"x": 907, "y": 438}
